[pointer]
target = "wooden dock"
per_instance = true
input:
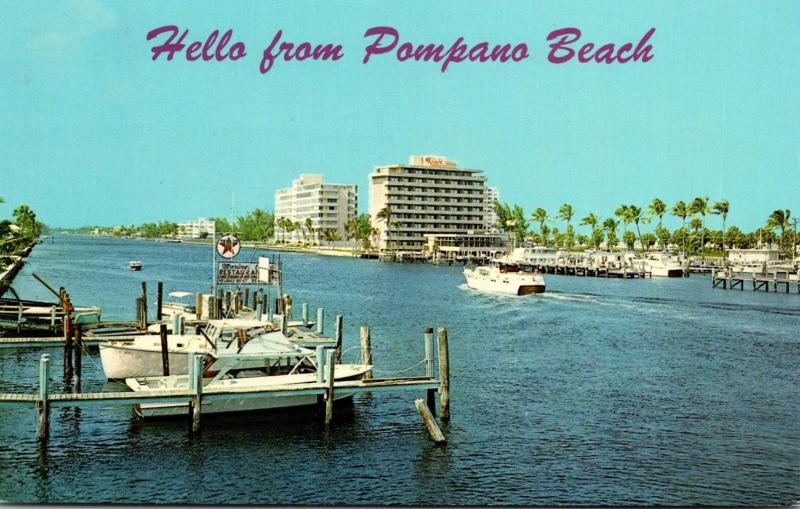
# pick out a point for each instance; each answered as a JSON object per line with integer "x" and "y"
{"x": 325, "y": 387}
{"x": 775, "y": 281}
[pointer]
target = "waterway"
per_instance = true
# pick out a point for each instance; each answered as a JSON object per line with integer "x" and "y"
{"x": 601, "y": 391}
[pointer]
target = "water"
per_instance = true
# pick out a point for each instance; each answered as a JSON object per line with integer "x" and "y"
{"x": 659, "y": 391}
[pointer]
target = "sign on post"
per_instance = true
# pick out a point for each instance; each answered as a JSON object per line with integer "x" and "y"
{"x": 235, "y": 273}
{"x": 228, "y": 246}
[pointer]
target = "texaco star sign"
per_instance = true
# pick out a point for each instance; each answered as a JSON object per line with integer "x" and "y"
{"x": 228, "y": 246}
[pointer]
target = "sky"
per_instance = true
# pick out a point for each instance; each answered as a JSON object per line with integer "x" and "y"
{"x": 94, "y": 132}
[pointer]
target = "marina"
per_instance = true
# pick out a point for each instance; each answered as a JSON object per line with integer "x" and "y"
{"x": 646, "y": 347}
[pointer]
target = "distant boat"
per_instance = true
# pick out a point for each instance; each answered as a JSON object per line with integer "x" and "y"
{"x": 135, "y": 265}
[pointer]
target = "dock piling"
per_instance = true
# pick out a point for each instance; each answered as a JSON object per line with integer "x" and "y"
{"x": 257, "y": 306}
{"x": 42, "y": 405}
{"x": 339, "y": 336}
{"x": 175, "y": 324}
{"x": 320, "y": 363}
{"x": 320, "y": 320}
{"x": 431, "y": 393}
{"x": 330, "y": 367}
{"x": 430, "y": 422}
{"x": 284, "y": 325}
{"x": 444, "y": 375}
{"x": 196, "y": 384}
{"x": 144, "y": 305}
{"x": 164, "y": 349}
{"x": 78, "y": 353}
{"x": 159, "y": 299}
{"x": 304, "y": 309}
{"x": 198, "y": 306}
{"x": 366, "y": 349}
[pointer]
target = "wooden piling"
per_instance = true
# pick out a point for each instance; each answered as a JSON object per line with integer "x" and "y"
{"x": 366, "y": 349}
{"x": 284, "y": 325}
{"x": 430, "y": 393}
{"x": 144, "y": 304}
{"x": 198, "y": 306}
{"x": 339, "y": 336}
{"x": 246, "y": 297}
{"x": 212, "y": 308}
{"x": 159, "y": 299}
{"x": 228, "y": 298}
{"x": 164, "y": 349}
{"x": 444, "y": 375}
{"x": 78, "y": 353}
{"x": 257, "y": 306}
{"x": 196, "y": 383}
{"x": 330, "y": 367}
{"x": 430, "y": 422}
{"x": 304, "y": 309}
{"x": 320, "y": 320}
{"x": 42, "y": 405}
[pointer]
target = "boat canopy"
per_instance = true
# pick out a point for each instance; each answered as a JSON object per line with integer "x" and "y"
{"x": 179, "y": 295}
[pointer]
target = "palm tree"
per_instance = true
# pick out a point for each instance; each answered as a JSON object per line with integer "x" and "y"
{"x": 681, "y": 211}
{"x": 309, "y": 227}
{"x": 385, "y": 214}
{"x": 700, "y": 206}
{"x": 565, "y": 213}
{"x": 635, "y": 216}
{"x": 657, "y": 208}
{"x": 591, "y": 220}
{"x": 779, "y": 219}
{"x": 540, "y": 216}
{"x": 721, "y": 208}
{"x": 611, "y": 225}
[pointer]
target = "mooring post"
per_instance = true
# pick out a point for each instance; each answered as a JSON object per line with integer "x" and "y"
{"x": 444, "y": 375}
{"x": 198, "y": 306}
{"x": 144, "y": 304}
{"x": 265, "y": 302}
{"x": 164, "y": 349}
{"x": 284, "y": 325}
{"x": 181, "y": 325}
{"x": 304, "y": 308}
{"x": 246, "y": 297}
{"x": 212, "y": 307}
{"x": 330, "y": 367}
{"x": 430, "y": 393}
{"x": 339, "y": 336}
{"x": 430, "y": 422}
{"x": 228, "y": 303}
{"x": 257, "y": 306}
{"x": 320, "y": 320}
{"x": 159, "y": 299}
{"x": 78, "y": 353}
{"x": 42, "y": 405}
{"x": 197, "y": 388}
{"x": 320, "y": 363}
{"x": 175, "y": 324}
{"x": 366, "y": 349}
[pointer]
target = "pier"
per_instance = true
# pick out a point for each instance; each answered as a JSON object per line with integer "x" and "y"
{"x": 775, "y": 281}
{"x": 324, "y": 388}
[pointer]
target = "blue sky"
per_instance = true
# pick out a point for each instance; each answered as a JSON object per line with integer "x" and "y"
{"x": 92, "y": 131}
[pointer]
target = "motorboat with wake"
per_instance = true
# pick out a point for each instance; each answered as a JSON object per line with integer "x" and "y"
{"x": 504, "y": 276}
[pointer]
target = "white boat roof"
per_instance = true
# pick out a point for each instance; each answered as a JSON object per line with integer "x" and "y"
{"x": 179, "y": 295}
{"x": 237, "y": 323}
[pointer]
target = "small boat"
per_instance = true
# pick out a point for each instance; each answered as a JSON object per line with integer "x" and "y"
{"x": 240, "y": 371}
{"x": 135, "y": 265}
{"x": 141, "y": 357}
{"x": 179, "y": 303}
{"x": 501, "y": 276}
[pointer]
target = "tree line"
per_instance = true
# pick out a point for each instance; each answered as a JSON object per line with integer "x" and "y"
{"x": 692, "y": 238}
{"x": 20, "y": 231}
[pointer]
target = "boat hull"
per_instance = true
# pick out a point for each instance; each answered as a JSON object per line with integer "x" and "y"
{"x": 121, "y": 363}
{"x": 510, "y": 287}
{"x": 529, "y": 289}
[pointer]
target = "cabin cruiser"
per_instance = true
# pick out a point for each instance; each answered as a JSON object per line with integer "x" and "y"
{"x": 180, "y": 304}
{"x": 135, "y": 265}
{"x": 142, "y": 356}
{"x": 663, "y": 265}
{"x": 504, "y": 276}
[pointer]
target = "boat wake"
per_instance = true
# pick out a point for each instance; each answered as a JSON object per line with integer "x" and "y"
{"x": 574, "y": 297}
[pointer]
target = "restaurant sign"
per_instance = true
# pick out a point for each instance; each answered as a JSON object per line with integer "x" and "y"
{"x": 235, "y": 273}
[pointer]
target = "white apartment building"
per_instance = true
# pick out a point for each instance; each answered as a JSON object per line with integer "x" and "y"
{"x": 329, "y": 206}
{"x": 492, "y": 194}
{"x": 196, "y": 229}
{"x": 429, "y": 195}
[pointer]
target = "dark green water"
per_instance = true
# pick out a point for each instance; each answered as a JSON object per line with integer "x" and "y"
{"x": 598, "y": 392}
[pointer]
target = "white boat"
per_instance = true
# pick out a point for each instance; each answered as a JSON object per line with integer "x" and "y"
{"x": 503, "y": 277}
{"x": 135, "y": 265}
{"x": 179, "y": 303}
{"x": 241, "y": 381}
{"x": 142, "y": 355}
{"x": 663, "y": 265}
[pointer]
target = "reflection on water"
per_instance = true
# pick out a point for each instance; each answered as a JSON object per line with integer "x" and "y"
{"x": 599, "y": 391}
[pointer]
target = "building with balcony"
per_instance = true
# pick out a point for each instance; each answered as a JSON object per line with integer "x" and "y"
{"x": 328, "y": 206}
{"x": 429, "y": 195}
{"x": 197, "y": 229}
{"x": 492, "y": 195}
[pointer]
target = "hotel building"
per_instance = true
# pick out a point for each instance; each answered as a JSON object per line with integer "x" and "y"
{"x": 429, "y": 195}
{"x": 492, "y": 195}
{"x": 329, "y": 206}
{"x": 196, "y": 229}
